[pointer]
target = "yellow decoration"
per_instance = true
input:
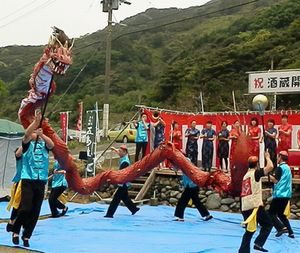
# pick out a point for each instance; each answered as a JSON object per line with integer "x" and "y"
{"x": 287, "y": 210}
{"x": 251, "y": 221}
{"x": 15, "y": 196}
{"x": 63, "y": 198}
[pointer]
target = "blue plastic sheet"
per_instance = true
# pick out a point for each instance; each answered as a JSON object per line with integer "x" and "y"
{"x": 151, "y": 230}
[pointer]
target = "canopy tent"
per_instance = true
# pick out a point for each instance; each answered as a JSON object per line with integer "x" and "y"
{"x": 10, "y": 138}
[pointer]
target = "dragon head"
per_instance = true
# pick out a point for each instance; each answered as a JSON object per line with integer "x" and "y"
{"x": 59, "y": 52}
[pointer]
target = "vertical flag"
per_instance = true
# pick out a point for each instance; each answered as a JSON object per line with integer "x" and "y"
{"x": 79, "y": 119}
{"x": 91, "y": 122}
{"x": 64, "y": 122}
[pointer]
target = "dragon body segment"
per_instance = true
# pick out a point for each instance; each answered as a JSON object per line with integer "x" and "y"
{"x": 56, "y": 59}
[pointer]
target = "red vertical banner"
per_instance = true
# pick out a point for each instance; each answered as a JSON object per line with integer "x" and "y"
{"x": 79, "y": 119}
{"x": 64, "y": 126}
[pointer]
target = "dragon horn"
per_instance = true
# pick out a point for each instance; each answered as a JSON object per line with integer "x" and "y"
{"x": 51, "y": 40}
{"x": 59, "y": 42}
{"x": 73, "y": 40}
{"x": 66, "y": 44}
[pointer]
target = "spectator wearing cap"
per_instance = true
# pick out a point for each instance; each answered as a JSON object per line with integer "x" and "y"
{"x": 122, "y": 191}
{"x": 252, "y": 205}
{"x": 282, "y": 193}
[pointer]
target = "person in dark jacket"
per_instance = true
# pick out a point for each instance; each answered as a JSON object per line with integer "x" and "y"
{"x": 223, "y": 147}
{"x": 192, "y": 134}
{"x": 208, "y": 134}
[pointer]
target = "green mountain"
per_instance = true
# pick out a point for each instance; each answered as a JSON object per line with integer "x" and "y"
{"x": 165, "y": 57}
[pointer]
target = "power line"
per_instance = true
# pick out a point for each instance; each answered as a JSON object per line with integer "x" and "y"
{"x": 71, "y": 84}
{"x": 172, "y": 14}
{"x": 29, "y": 12}
{"x": 18, "y": 10}
{"x": 151, "y": 28}
{"x": 185, "y": 19}
{"x": 171, "y": 23}
{"x": 77, "y": 50}
{"x": 145, "y": 30}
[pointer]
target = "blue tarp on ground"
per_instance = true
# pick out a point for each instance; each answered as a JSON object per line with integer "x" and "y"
{"x": 150, "y": 230}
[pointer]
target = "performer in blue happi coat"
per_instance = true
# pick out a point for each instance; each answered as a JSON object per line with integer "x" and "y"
{"x": 191, "y": 192}
{"x": 59, "y": 185}
{"x": 34, "y": 176}
{"x": 15, "y": 200}
{"x": 122, "y": 191}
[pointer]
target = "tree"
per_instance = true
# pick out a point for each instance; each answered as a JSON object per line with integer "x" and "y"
{"x": 3, "y": 89}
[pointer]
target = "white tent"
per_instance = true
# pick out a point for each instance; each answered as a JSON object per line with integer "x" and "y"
{"x": 10, "y": 138}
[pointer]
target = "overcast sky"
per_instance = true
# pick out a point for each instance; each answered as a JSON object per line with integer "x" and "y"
{"x": 28, "y": 22}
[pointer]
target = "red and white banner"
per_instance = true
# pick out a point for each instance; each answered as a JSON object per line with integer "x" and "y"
{"x": 79, "y": 119}
{"x": 64, "y": 125}
{"x": 184, "y": 121}
{"x": 274, "y": 82}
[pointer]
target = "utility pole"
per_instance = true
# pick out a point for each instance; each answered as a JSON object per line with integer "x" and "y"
{"x": 108, "y": 6}
{"x": 108, "y": 51}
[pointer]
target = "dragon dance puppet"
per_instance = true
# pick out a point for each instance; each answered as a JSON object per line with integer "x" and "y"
{"x": 56, "y": 59}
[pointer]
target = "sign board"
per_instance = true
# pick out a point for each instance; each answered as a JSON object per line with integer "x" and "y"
{"x": 91, "y": 119}
{"x": 275, "y": 82}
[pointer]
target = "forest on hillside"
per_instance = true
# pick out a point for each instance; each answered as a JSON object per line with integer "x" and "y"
{"x": 164, "y": 58}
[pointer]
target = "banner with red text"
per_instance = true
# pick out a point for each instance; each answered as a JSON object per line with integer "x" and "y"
{"x": 64, "y": 122}
{"x": 79, "y": 119}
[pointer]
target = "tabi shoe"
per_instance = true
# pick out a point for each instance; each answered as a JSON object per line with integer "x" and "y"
{"x": 64, "y": 211}
{"x": 15, "y": 239}
{"x": 260, "y": 248}
{"x": 108, "y": 216}
{"x": 178, "y": 219}
{"x": 281, "y": 232}
{"x": 25, "y": 242}
{"x": 9, "y": 227}
{"x": 135, "y": 211}
{"x": 208, "y": 217}
{"x": 55, "y": 215}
